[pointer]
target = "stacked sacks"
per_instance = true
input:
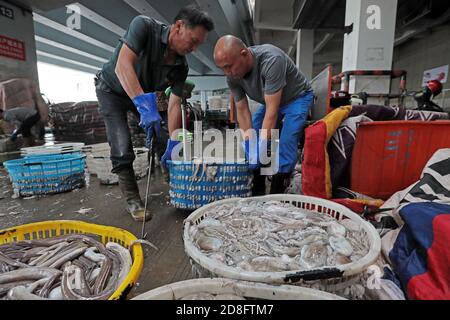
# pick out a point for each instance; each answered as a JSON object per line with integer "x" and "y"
{"x": 82, "y": 121}
{"x": 138, "y": 136}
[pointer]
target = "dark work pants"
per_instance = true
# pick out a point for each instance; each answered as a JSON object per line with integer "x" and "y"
{"x": 114, "y": 110}
{"x": 27, "y": 124}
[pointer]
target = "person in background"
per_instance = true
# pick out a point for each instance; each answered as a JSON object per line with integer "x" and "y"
{"x": 23, "y": 119}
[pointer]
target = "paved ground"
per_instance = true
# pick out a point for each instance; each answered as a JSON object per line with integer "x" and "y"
{"x": 103, "y": 205}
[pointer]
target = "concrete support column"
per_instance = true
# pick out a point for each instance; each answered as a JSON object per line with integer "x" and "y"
{"x": 370, "y": 45}
{"x": 305, "y": 52}
{"x": 203, "y": 100}
{"x": 17, "y": 29}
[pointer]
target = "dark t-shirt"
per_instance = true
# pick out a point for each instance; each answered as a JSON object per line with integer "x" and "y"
{"x": 272, "y": 71}
{"x": 148, "y": 39}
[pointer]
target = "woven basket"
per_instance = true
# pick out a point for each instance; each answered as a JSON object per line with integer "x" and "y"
{"x": 104, "y": 234}
{"x": 333, "y": 278}
{"x": 47, "y": 174}
{"x": 194, "y": 185}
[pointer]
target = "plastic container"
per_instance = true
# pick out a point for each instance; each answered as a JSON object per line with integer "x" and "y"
{"x": 46, "y": 174}
{"x": 101, "y": 166}
{"x": 334, "y": 279}
{"x": 104, "y": 234}
{"x": 195, "y": 184}
{"x": 248, "y": 290}
{"x": 62, "y": 148}
{"x": 389, "y": 156}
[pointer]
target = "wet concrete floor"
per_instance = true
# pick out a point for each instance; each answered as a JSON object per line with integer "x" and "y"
{"x": 100, "y": 204}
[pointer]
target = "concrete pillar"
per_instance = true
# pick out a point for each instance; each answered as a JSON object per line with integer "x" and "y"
{"x": 305, "y": 52}
{"x": 203, "y": 100}
{"x": 16, "y": 26}
{"x": 370, "y": 45}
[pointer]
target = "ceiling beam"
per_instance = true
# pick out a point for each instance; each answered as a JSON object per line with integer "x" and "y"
{"x": 310, "y": 14}
{"x": 71, "y": 32}
{"x": 39, "y": 4}
{"x": 422, "y": 27}
{"x": 322, "y": 43}
{"x": 268, "y": 26}
{"x": 292, "y": 46}
{"x": 53, "y": 62}
{"x": 246, "y": 22}
{"x": 69, "y": 49}
{"x": 94, "y": 69}
{"x": 96, "y": 18}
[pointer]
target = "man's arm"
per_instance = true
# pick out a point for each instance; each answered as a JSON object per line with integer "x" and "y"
{"x": 244, "y": 117}
{"x": 270, "y": 119}
{"x": 126, "y": 73}
{"x": 274, "y": 71}
{"x": 174, "y": 114}
{"x": 11, "y": 117}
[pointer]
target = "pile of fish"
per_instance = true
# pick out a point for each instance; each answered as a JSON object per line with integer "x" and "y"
{"x": 254, "y": 235}
{"x": 70, "y": 267}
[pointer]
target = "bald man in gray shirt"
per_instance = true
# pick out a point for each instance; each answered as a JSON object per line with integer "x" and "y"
{"x": 267, "y": 75}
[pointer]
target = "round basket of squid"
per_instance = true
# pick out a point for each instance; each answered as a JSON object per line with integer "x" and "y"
{"x": 283, "y": 239}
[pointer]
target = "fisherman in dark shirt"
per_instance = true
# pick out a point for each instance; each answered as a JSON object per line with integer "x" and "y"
{"x": 149, "y": 58}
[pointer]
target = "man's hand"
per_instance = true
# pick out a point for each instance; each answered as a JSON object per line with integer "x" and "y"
{"x": 168, "y": 154}
{"x": 14, "y": 135}
{"x": 150, "y": 119}
{"x": 251, "y": 153}
{"x": 255, "y": 151}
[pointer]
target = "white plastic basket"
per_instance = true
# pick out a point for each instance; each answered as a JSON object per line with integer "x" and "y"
{"x": 61, "y": 148}
{"x": 95, "y": 150}
{"x": 99, "y": 163}
{"x": 319, "y": 206}
{"x": 250, "y": 290}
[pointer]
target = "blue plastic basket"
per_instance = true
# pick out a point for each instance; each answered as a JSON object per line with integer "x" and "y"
{"x": 47, "y": 174}
{"x": 193, "y": 185}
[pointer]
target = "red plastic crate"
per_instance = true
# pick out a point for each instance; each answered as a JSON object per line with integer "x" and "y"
{"x": 389, "y": 156}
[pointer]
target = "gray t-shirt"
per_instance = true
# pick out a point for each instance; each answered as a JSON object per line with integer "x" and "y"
{"x": 272, "y": 70}
{"x": 18, "y": 115}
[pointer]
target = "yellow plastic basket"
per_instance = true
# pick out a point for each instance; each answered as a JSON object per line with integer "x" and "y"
{"x": 104, "y": 234}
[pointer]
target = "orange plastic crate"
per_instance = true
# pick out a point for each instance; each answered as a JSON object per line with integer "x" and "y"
{"x": 389, "y": 156}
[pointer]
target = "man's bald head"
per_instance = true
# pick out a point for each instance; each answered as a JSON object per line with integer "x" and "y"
{"x": 232, "y": 56}
{"x": 229, "y": 45}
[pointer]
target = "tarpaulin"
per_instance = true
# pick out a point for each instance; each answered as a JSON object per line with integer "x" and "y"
{"x": 421, "y": 252}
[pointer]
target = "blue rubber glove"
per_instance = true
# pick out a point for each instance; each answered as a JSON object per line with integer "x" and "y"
{"x": 14, "y": 136}
{"x": 255, "y": 152}
{"x": 168, "y": 154}
{"x": 251, "y": 154}
{"x": 264, "y": 149}
{"x": 146, "y": 105}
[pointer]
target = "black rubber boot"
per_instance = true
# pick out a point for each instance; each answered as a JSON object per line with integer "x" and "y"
{"x": 280, "y": 182}
{"x": 259, "y": 184}
{"x": 130, "y": 191}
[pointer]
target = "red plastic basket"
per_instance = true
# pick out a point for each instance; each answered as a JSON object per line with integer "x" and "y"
{"x": 389, "y": 156}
